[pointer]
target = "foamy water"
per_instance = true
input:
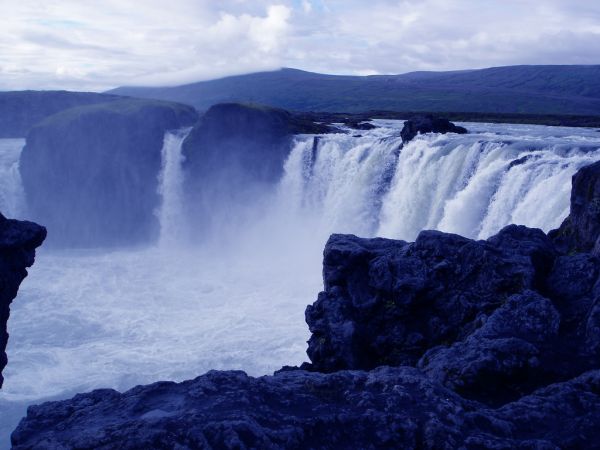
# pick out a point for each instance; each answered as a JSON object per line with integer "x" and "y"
{"x": 91, "y": 319}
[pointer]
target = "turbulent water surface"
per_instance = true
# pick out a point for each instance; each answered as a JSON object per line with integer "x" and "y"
{"x": 91, "y": 319}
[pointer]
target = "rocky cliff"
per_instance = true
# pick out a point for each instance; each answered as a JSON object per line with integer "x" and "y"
{"x": 90, "y": 173}
{"x": 235, "y": 153}
{"x": 444, "y": 342}
{"x": 18, "y": 241}
{"x": 428, "y": 124}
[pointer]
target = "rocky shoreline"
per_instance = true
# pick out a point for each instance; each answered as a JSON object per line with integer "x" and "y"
{"x": 446, "y": 342}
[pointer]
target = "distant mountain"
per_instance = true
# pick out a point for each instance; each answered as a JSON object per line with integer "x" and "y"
{"x": 20, "y": 110}
{"x": 511, "y": 89}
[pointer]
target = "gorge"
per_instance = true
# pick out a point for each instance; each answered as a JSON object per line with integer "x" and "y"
{"x": 231, "y": 294}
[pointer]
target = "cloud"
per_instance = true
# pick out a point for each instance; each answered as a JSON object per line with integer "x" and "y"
{"x": 98, "y": 45}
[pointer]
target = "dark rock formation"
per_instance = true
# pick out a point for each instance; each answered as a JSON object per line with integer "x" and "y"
{"x": 414, "y": 296}
{"x": 580, "y": 231}
{"x": 21, "y": 110}
{"x": 428, "y": 124}
{"x": 386, "y": 408}
{"x": 90, "y": 173}
{"x": 234, "y": 153}
{"x": 18, "y": 241}
{"x": 358, "y": 124}
{"x": 446, "y": 342}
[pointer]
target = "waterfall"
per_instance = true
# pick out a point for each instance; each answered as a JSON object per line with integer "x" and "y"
{"x": 12, "y": 197}
{"x": 472, "y": 185}
{"x": 171, "y": 214}
{"x": 341, "y": 181}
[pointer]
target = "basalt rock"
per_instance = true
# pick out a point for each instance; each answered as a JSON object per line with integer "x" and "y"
{"x": 90, "y": 173}
{"x": 236, "y": 153}
{"x": 579, "y": 232}
{"x": 18, "y": 241}
{"x": 387, "y": 302}
{"x": 386, "y": 408}
{"x": 446, "y": 343}
{"x": 428, "y": 124}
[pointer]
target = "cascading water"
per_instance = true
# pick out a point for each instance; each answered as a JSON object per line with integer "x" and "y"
{"x": 340, "y": 179}
{"x": 90, "y": 319}
{"x": 471, "y": 185}
{"x": 12, "y": 198}
{"x": 170, "y": 187}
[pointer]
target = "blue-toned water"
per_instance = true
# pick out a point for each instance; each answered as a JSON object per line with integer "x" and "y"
{"x": 90, "y": 319}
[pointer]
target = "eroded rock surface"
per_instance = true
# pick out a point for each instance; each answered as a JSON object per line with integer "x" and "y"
{"x": 18, "y": 241}
{"x": 428, "y": 124}
{"x": 111, "y": 154}
{"x": 445, "y": 342}
{"x": 235, "y": 155}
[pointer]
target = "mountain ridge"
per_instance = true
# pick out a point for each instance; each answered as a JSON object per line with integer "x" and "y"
{"x": 525, "y": 89}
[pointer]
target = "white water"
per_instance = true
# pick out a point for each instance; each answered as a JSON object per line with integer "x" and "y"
{"x": 85, "y": 320}
{"x": 171, "y": 216}
{"x": 12, "y": 198}
{"x": 453, "y": 183}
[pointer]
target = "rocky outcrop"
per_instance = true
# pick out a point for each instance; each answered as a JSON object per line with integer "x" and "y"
{"x": 445, "y": 342}
{"x": 580, "y": 231}
{"x": 428, "y": 124}
{"x": 235, "y": 153}
{"x": 90, "y": 173}
{"x": 21, "y": 110}
{"x": 18, "y": 241}
{"x": 492, "y": 320}
{"x": 386, "y": 408}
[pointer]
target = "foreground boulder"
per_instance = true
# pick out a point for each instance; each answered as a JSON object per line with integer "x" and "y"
{"x": 235, "y": 154}
{"x": 18, "y": 241}
{"x": 445, "y": 342}
{"x": 90, "y": 173}
{"x": 428, "y": 124}
{"x": 386, "y": 408}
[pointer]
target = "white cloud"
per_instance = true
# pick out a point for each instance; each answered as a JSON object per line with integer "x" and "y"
{"x": 97, "y": 45}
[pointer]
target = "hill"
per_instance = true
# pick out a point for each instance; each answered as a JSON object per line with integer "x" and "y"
{"x": 564, "y": 90}
{"x": 20, "y": 110}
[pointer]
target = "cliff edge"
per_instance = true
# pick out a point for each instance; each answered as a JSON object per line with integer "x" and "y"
{"x": 18, "y": 241}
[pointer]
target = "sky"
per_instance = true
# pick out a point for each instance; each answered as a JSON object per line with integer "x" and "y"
{"x": 97, "y": 45}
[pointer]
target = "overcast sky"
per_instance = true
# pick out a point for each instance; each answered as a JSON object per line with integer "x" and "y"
{"x": 97, "y": 45}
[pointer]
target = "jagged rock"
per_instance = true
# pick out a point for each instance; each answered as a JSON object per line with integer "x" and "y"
{"x": 505, "y": 355}
{"x": 504, "y": 334}
{"x": 387, "y": 302}
{"x": 90, "y": 173}
{"x": 18, "y": 241}
{"x": 428, "y": 124}
{"x": 387, "y": 408}
{"x": 579, "y": 232}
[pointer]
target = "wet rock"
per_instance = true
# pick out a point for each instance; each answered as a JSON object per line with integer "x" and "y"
{"x": 428, "y": 124}
{"x": 18, "y": 241}
{"x": 387, "y": 302}
{"x": 112, "y": 155}
{"x": 235, "y": 154}
{"x": 580, "y": 230}
{"x": 502, "y": 336}
{"x": 386, "y": 408}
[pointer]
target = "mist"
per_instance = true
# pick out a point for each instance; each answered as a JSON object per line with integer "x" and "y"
{"x": 225, "y": 283}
